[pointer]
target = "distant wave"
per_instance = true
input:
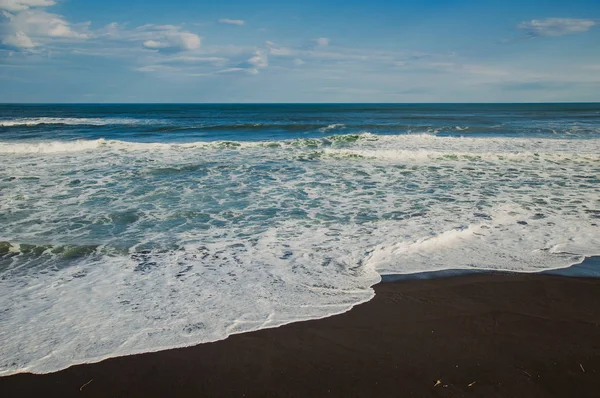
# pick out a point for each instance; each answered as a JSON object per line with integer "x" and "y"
{"x": 158, "y": 125}
{"x": 50, "y": 146}
{"x": 176, "y": 125}
{"x": 400, "y": 126}
{"x": 363, "y": 144}
{"x": 85, "y": 145}
{"x": 262, "y": 126}
{"x": 73, "y": 121}
{"x": 332, "y": 127}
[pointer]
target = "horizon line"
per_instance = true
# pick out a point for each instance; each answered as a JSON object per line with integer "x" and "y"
{"x": 301, "y": 103}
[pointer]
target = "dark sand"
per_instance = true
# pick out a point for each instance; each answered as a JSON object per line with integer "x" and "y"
{"x": 481, "y": 335}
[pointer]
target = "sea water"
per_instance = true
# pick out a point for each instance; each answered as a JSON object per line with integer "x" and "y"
{"x": 134, "y": 228}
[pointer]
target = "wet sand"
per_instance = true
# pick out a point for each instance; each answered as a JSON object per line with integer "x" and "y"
{"x": 477, "y": 335}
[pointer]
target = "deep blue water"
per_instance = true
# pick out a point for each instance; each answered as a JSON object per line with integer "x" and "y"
{"x": 190, "y": 122}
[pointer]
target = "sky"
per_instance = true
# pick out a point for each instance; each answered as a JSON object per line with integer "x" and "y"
{"x": 299, "y": 51}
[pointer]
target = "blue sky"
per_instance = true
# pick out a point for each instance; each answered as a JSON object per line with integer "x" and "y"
{"x": 309, "y": 51}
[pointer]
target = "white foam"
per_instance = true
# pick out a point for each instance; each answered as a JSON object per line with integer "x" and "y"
{"x": 194, "y": 242}
{"x": 108, "y": 307}
{"x": 24, "y": 147}
{"x": 410, "y": 146}
{"x": 51, "y": 146}
{"x": 497, "y": 246}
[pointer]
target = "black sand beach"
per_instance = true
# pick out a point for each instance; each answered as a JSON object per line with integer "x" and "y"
{"x": 478, "y": 335}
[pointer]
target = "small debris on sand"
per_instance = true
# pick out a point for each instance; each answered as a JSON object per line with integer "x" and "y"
{"x": 81, "y": 388}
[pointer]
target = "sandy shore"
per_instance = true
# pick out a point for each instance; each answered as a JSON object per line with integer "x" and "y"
{"x": 480, "y": 335}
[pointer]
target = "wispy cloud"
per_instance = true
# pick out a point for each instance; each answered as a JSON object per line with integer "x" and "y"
{"x": 159, "y": 38}
{"x": 227, "y": 21}
{"x": 174, "y": 41}
{"x": 275, "y": 49}
{"x": 18, "y": 40}
{"x": 553, "y": 27}
{"x": 195, "y": 60}
{"x": 459, "y": 67}
{"x": 322, "y": 41}
{"x": 257, "y": 61}
{"x": 21, "y": 5}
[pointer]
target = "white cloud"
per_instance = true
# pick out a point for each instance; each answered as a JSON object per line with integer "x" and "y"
{"x": 154, "y": 44}
{"x": 18, "y": 40}
{"x": 259, "y": 60}
{"x": 221, "y": 72}
{"x": 177, "y": 41}
{"x": 227, "y": 21}
{"x": 21, "y": 5}
{"x": 150, "y": 68}
{"x": 230, "y": 70}
{"x": 322, "y": 41}
{"x": 556, "y": 26}
{"x": 111, "y": 30}
{"x": 24, "y": 27}
{"x": 37, "y": 23}
{"x": 252, "y": 65}
{"x": 184, "y": 40}
{"x": 280, "y": 51}
{"x": 274, "y": 49}
{"x": 216, "y": 61}
{"x": 299, "y": 62}
{"x": 166, "y": 38}
{"x": 152, "y": 27}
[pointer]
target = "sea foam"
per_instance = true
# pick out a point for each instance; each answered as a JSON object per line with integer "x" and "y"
{"x": 112, "y": 248}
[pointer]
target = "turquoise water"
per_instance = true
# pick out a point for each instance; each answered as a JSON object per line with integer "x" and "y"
{"x": 134, "y": 228}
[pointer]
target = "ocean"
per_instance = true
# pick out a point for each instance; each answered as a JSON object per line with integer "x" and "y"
{"x": 136, "y": 228}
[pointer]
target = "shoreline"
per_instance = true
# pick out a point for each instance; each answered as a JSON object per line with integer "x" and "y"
{"x": 510, "y": 334}
{"x": 588, "y": 268}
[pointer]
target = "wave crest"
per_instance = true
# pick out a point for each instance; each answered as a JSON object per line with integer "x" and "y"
{"x": 361, "y": 145}
{"x": 73, "y": 121}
